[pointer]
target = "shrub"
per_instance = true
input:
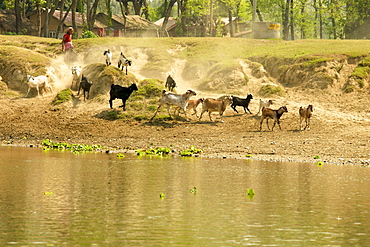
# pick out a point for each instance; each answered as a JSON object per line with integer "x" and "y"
{"x": 63, "y": 96}
{"x": 268, "y": 90}
{"x": 89, "y": 34}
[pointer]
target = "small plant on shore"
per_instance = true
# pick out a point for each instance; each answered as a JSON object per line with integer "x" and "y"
{"x": 248, "y": 156}
{"x": 319, "y": 163}
{"x": 191, "y": 151}
{"x": 250, "y": 193}
{"x": 316, "y": 157}
{"x": 161, "y": 195}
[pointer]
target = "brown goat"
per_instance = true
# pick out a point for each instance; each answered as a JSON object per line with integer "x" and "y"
{"x": 273, "y": 114}
{"x": 212, "y": 105}
{"x": 306, "y": 114}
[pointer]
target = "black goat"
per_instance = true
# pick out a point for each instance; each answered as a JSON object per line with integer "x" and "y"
{"x": 236, "y": 101}
{"x": 85, "y": 84}
{"x": 119, "y": 92}
{"x": 170, "y": 83}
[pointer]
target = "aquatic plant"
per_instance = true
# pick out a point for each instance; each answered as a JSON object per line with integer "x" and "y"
{"x": 250, "y": 192}
{"x": 316, "y": 157}
{"x": 48, "y": 193}
{"x": 248, "y": 156}
{"x": 194, "y": 190}
{"x": 154, "y": 151}
{"x": 75, "y": 148}
{"x": 161, "y": 195}
{"x": 119, "y": 155}
{"x": 319, "y": 163}
{"x": 191, "y": 151}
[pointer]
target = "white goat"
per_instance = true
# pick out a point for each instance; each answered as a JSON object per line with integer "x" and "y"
{"x": 77, "y": 77}
{"x": 169, "y": 98}
{"x": 273, "y": 114}
{"x": 41, "y": 81}
{"x": 108, "y": 57}
{"x": 264, "y": 103}
{"x": 305, "y": 113}
{"x": 123, "y": 62}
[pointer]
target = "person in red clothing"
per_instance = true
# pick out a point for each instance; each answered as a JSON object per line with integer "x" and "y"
{"x": 67, "y": 39}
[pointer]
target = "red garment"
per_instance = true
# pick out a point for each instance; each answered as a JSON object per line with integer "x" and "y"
{"x": 67, "y": 38}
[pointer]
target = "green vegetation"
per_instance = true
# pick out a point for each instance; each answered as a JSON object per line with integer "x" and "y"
{"x": 191, "y": 151}
{"x": 193, "y": 190}
{"x": 269, "y": 90}
{"x": 75, "y": 148}
{"x": 63, "y": 96}
{"x": 161, "y": 151}
{"x": 316, "y": 157}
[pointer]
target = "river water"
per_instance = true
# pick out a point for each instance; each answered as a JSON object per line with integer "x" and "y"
{"x": 54, "y": 198}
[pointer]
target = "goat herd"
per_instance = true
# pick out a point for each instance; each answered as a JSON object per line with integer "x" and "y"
{"x": 182, "y": 102}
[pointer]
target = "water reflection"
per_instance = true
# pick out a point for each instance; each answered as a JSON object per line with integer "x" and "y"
{"x": 60, "y": 198}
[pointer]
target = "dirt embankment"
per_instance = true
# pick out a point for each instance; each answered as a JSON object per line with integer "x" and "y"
{"x": 340, "y": 126}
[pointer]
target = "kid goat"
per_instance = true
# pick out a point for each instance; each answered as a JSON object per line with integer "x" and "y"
{"x": 108, "y": 57}
{"x": 123, "y": 62}
{"x": 38, "y": 82}
{"x": 305, "y": 113}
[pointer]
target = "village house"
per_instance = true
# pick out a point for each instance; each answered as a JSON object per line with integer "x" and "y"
{"x": 98, "y": 29}
{"x": 136, "y": 26}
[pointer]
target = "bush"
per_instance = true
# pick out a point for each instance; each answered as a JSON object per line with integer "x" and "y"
{"x": 63, "y": 96}
{"x": 89, "y": 34}
{"x": 268, "y": 90}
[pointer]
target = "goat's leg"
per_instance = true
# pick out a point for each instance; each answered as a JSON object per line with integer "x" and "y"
{"x": 221, "y": 117}
{"x": 38, "y": 91}
{"x": 209, "y": 114}
{"x": 248, "y": 110}
{"x": 234, "y": 108}
{"x": 111, "y": 103}
{"x": 29, "y": 88}
{"x": 124, "y": 105}
{"x": 126, "y": 70}
{"x": 186, "y": 117}
{"x": 169, "y": 112}
{"x": 155, "y": 113}
{"x": 261, "y": 121}
{"x": 267, "y": 123}
{"x": 201, "y": 114}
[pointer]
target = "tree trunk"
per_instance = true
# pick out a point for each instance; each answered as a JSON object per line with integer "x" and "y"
{"x": 291, "y": 22}
{"x": 61, "y": 21}
{"x": 124, "y": 17}
{"x": 231, "y": 29}
{"x": 258, "y": 12}
{"x": 74, "y": 24}
{"x": 38, "y": 9}
{"x": 18, "y": 19}
{"x": 167, "y": 15}
{"x": 320, "y": 20}
{"x": 286, "y": 20}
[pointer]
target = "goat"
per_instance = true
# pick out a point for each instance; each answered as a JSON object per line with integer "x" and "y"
{"x": 236, "y": 101}
{"x": 119, "y": 92}
{"x": 38, "y": 82}
{"x": 170, "y": 83}
{"x": 192, "y": 104}
{"x": 264, "y": 103}
{"x": 212, "y": 105}
{"x": 76, "y": 73}
{"x": 108, "y": 57}
{"x": 273, "y": 114}
{"x": 169, "y": 98}
{"x": 85, "y": 84}
{"x": 305, "y": 113}
{"x": 123, "y": 62}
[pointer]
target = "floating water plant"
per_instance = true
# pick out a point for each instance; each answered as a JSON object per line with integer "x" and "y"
{"x": 194, "y": 190}
{"x": 191, "y": 151}
{"x": 248, "y": 156}
{"x": 161, "y": 195}
{"x": 119, "y": 155}
{"x": 319, "y": 163}
{"x": 48, "y": 193}
{"x": 75, "y": 148}
{"x": 154, "y": 151}
{"x": 250, "y": 192}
